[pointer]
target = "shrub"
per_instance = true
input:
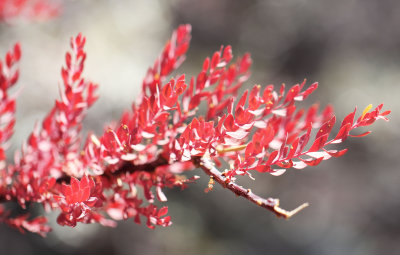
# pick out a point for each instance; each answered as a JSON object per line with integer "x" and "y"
{"x": 121, "y": 174}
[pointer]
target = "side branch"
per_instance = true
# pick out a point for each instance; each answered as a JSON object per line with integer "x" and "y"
{"x": 126, "y": 167}
{"x": 271, "y": 204}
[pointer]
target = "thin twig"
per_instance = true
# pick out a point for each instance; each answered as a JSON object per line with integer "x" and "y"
{"x": 233, "y": 148}
{"x": 271, "y": 204}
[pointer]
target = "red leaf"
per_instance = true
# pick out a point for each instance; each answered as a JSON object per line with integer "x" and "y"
{"x": 245, "y": 63}
{"x": 249, "y": 150}
{"x": 349, "y": 119}
{"x": 254, "y": 99}
{"x": 206, "y": 64}
{"x": 17, "y": 51}
{"x": 313, "y": 162}
{"x": 14, "y": 78}
{"x": 293, "y": 148}
{"x": 227, "y": 55}
{"x": 84, "y": 182}
{"x": 336, "y": 154}
{"x": 160, "y": 194}
{"x": 9, "y": 59}
{"x": 229, "y": 123}
{"x": 74, "y": 184}
{"x": 326, "y": 128}
{"x": 327, "y": 113}
{"x": 277, "y": 172}
{"x": 318, "y": 143}
{"x": 194, "y": 102}
{"x": 84, "y": 194}
{"x": 309, "y": 90}
{"x": 123, "y": 134}
{"x": 292, "y": 93}
{"x": 167, "y": 90}
{"x": 263, "y": 168}
{"x": 68, "y": 60}
{"x": 242, "y": 100}
{"x": 163, "y": 211}
{"x": 272, "y": 157}
{"x": 215, "y": 60}
{"x": 343, "y": 133}
{"x": 303, "y": 140}
{"x": 76, "y": 76}
{"x": 361, "y": 135}
{"x": 161, "y": 117}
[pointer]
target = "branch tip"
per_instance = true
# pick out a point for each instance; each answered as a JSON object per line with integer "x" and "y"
{"x": 288, "y": 214}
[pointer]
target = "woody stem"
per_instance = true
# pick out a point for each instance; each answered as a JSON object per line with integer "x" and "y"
{"x": 127, "y": 167}
{"x": 270, "y": 204}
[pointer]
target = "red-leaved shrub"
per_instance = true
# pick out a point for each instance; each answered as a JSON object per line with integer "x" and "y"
{"x": 160, "y": 138}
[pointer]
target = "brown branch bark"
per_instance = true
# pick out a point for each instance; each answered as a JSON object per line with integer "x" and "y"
{"x": 126, "y": 167}
{"x": 270, "y": 204}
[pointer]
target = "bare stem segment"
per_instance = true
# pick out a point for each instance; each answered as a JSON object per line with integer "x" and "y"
{"x": 271, "y": 204}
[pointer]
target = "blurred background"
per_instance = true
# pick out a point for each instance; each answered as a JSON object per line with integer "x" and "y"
{"x": 351, "y": 47}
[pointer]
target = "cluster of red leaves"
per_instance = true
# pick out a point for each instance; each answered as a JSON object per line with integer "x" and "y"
{"x": 22, "y": 223}
{"x": 162, "y": 136}
{"x": 28, "y": 9}
{"x": 8, "y": 77}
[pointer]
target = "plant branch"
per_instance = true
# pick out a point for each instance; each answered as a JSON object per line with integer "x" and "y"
{"x": 126, "y": 167}
{"x": 270, "y": 204}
